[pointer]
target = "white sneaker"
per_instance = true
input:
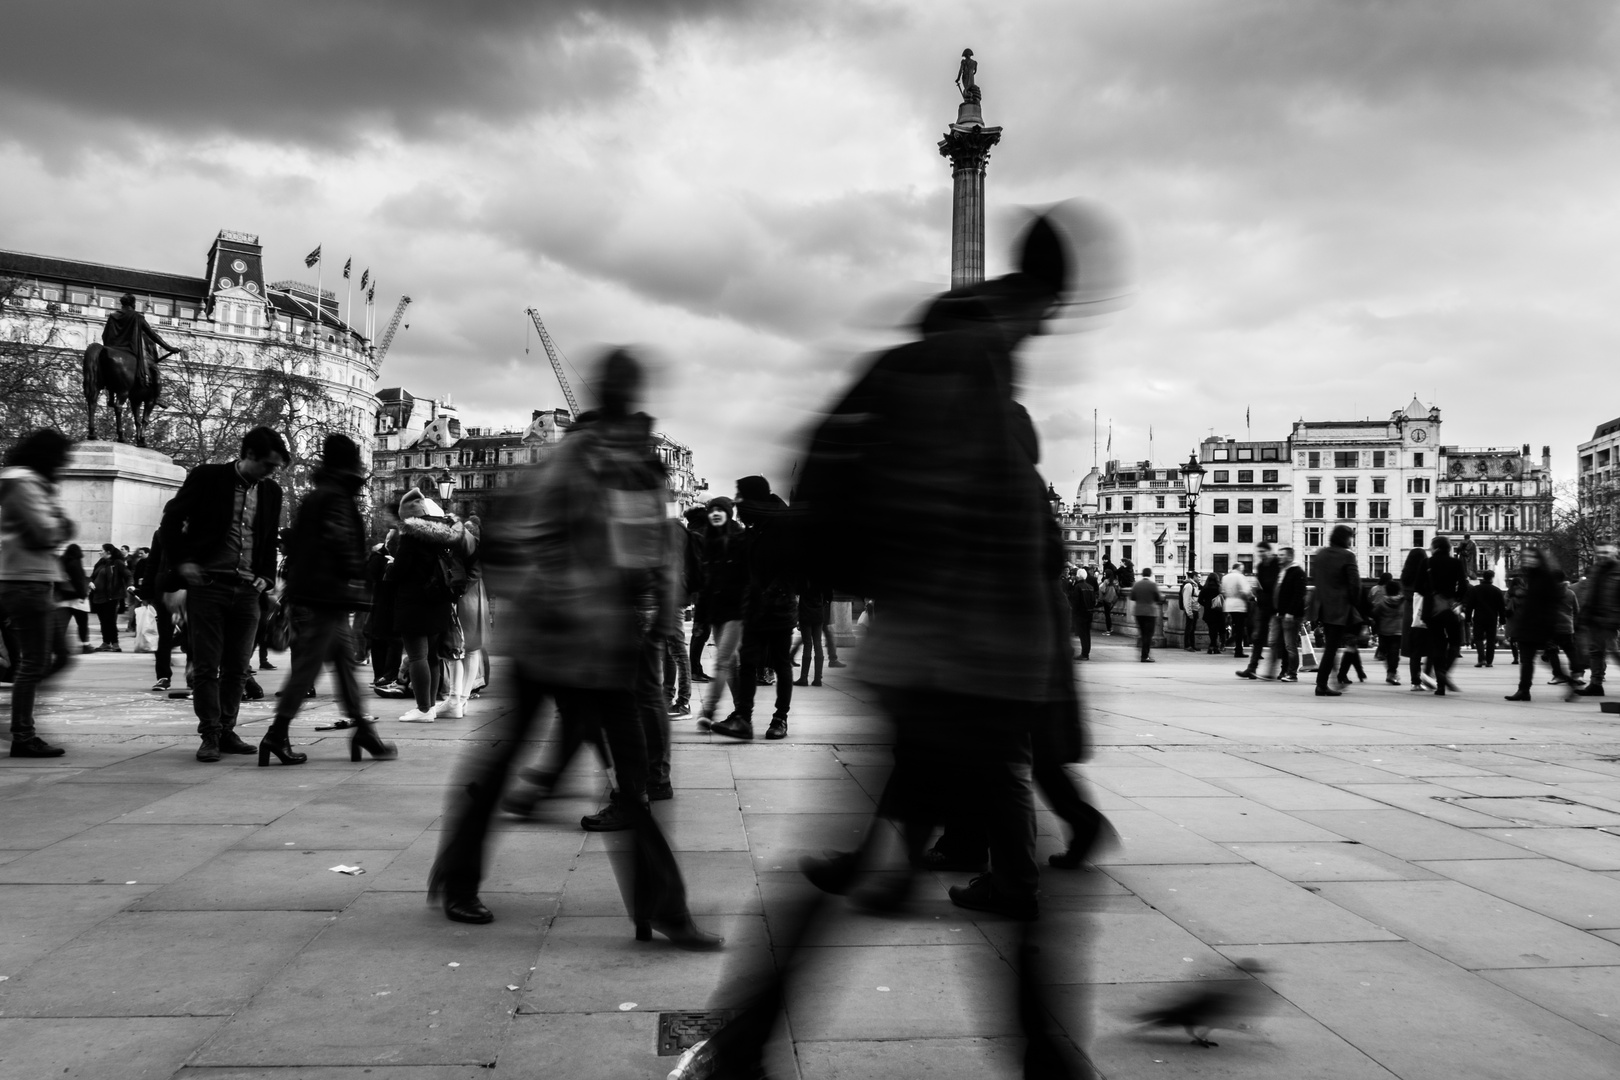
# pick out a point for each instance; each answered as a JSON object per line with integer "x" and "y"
{"x": 453, "y": 708}
{"x": 421, "y": 716}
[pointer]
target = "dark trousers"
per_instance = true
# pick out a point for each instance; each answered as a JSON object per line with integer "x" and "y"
{"x": 82, "y": 619}
{"x": 224, "y": 619}
{"x": 648, "y": 875}
{"x": 1445, "y": 640}
{"x": 1108, "y": 616}
{"x": 320, "y": 635}
{"x": 29, "y": 608}
{"x": 1265, "y": 635}
{"x": 652, "y": 707}
{"x": 677, "y": 670}
{"x": 1565, "y": 643}
{"x": 1485, "y": 641}
{"x": 1189, "y": 637}
{"x": 762, "y": 650}
{"x": 968, "y": 840}
{"x": 427, "y": 673}
{"x": 1351, "y": 659}
{"x": 1601, "y": 643}
{"x": 1082, "y": 630}
{"x": 385, "y": 657}
{"x": 1391, "y": 644}
{"x": 1215, "y": 624}
{"x": 1145, "y": 625}
{"x": 700, "y": 638}
{"x": 811, "y": 634}
{"x": 1237, "y": 629}
{"x": 1332, "y": 638}
{"x": 107, "y": 613}
{"x": 1528, "y": 651}
{"x": 163, "y": 658}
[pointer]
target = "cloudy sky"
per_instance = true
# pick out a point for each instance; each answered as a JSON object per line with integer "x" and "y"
{"x": 1333, "y": 204}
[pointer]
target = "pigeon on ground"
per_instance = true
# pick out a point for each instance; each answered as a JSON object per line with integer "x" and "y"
{"x": 1214, "y": 1005}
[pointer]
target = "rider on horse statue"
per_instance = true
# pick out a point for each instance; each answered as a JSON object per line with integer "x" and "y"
{"x": 127, "y": 331}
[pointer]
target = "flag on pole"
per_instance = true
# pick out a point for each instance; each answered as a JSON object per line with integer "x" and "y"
{"x": 347, "y": 264}
{"x": 371, "y": 294}
{"x": 365, "y": 275}
{"x": 313, "y": 257}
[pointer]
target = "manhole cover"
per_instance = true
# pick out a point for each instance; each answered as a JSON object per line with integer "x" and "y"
{"x": 678, "y": 1032}
{"x": 1538, "y": 809}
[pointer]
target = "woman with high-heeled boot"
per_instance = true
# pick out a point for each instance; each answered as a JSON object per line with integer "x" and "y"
{"x": 326, "y": 570}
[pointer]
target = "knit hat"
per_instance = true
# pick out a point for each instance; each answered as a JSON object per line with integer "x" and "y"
{"x": 750, "y": 488}
{"x": 340, "y": 454}
{"x": 723, "y": 504}
{"x": 415, "y": 505}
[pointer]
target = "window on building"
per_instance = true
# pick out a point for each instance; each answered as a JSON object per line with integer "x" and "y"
{"x": 1346, "y": 459}
{"x": 1108, "y": 526}
{"x": 1456, "y": 489}
{"x": 1345, "y": 485}
{"x": 1245, "y": 476}
{"x": 1378, "y": 508}
{"x": 1158, "y": 551}
{"x": 1457, "y": 517}
{"x": 1418, "y": 485}
{"x": 1268, "y": 453}
{"x": 1268, "y": 533}
{"x": 1417, "y": 460}
{"x": 1108, "y": 504}
{"x": 1378, "y": 485}
{"x": 1313, "y": 460}
{"x": 1345, "y": 509}
{"x": 1124, "y": 551}
{"x": 1222, "y": 476}
{"x": 1379, "y": 564}
{"x": 1417, "y": 538}
{"x": 1313, "y": 536}
{"x": 1221, "y": 506}
{"x": 1223, "y": 533}
{"x": 1315, "y": 508}
{"x": 1378, "y": 459}
{"x": 1510, "y": 521}
{"x": 1181, "y": 526}
{"x": 1378, "y": 536}
{"x": 1222, "y": 563}
{"x": 1245, "y": 506}
{"x": 1419, "y": 507}
{"x": 1268, "y": 506}
{"x": 1159, "y": 501}
{"x": 1268, "y": 476}
{"x": 1245, "y": 534}
{"x": 1221, "y": 454}
{"x": 1313, "y": 485}
{"x": 1507, "y": 489}
{"x": 1181, "y": 502}
{"x": 1128, "y": 527}
{"x": 1181, "y": 554}
{"x": 1128, "y": 502}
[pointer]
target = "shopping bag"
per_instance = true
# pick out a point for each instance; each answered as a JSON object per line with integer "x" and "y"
{"x": 146, "y": 628}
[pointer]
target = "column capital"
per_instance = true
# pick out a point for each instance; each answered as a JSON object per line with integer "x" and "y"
{"x": 968, "y": 146}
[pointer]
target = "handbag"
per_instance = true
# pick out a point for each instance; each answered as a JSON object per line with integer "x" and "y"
{"x": 278, "y": 629}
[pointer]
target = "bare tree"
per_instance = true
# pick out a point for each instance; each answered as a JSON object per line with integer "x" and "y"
{"x": 41, "y": 374}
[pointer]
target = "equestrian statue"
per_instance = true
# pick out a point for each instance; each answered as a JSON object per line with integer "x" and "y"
{"x": 125, "y": 364}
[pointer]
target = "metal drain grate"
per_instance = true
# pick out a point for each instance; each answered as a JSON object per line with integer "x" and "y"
{"x": 678, "y": 1032}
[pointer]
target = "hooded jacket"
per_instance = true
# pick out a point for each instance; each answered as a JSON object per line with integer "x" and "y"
{"x": 326, "y": 556}
{"x": 32, "y": 526}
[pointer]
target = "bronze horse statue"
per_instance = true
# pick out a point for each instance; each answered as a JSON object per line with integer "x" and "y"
{"x": 116, "y": 371}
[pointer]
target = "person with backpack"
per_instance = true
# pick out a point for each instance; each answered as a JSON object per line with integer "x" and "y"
{"x": 326, "y": 566}
{"x": 108, "y": 580}
{"x": 426, "y": 577}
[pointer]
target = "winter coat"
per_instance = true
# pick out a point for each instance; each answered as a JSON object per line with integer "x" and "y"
{"x": 1290, "y": 592}
{"x": 1266, "y": 573}
{"x": 1535, "y": 606}
{"x": 1235, "y": 591}
{"x": 326, "y": 554}
{"x": 418, "y": 612}
{"x": 109, "y": 579}
{"x": 1564, "y": 617}
{"x": 32, "y": 526}
{"x": 198, "y": 519}
{"x": 1338, "y": 586}
{"x": 725, "y": 571}
{"x": 771, "y": 600}
{"x": 1145, "y": 598}
{"x": 547, "y": 550}
{"x": 1602, "y": 608}
{"x": 1486, "y": 606}
{"x": 1445, "y": 584}
{"x": 1388, "y": 613}
{"x": 74, "y": 585}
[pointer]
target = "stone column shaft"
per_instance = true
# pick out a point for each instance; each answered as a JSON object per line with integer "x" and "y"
{"x": 967, "y": 144}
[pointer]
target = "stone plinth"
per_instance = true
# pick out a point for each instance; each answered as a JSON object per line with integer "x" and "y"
{"x": 115, "y": 493}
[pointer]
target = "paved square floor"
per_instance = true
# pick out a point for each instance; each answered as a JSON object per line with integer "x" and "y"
{"x": 1430, "y": 886}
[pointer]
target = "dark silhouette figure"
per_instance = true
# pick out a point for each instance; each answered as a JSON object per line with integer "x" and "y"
{"x": 1214, "y": 1005}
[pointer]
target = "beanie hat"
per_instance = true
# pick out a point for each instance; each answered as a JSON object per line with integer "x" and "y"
{"x": 754, "y": 487}
{"x": 340, "y": 454}
{"x": 415, "y": 505}
{"x": 722, "y": 504}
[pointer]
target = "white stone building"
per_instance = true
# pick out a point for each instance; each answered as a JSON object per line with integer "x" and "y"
{"x": 1496, "y": 497}
{"x": 1247, "y": 497}
{"x": 1597, "y": 479}
{"x": 1142, "y": 518}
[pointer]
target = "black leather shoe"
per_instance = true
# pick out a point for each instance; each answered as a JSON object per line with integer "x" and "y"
{"x": 231, "y": 743}
{"x": 209, "y": 750}
{"x": 660, "y": 792}
{"x": 34, "y": 746}
{"x": 682, "y": 933}
{"x": 1322, "y": 691}
{"x": 734, "y": 727}
{"x": 467, "y": 909}
{"x": 611, "y": 818}
{"x": 981, "y": 895}
{"x": 778, "y": 728}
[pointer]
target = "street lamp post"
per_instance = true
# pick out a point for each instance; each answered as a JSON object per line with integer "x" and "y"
{"x": 446, "y": 484}
{"x": 1192, "y": 474}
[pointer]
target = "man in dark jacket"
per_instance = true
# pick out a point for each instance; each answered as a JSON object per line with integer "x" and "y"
{"x": 1486, "y": 610}
{"x": 220, "y": 534}
{"x": 770, "y": 610}
{"x": 1446, "y": 585}
{"x": 1338, "y": 589}
{"x": 725, "y": 581}
{"x": 1266, "y": 570}
{"x": 1601, "y": 615}
{"x": 326, "y": 580}
{"x": 697, "y": 528}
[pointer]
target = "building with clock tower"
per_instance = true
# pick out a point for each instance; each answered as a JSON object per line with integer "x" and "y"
{"x": 1380, "y": 477}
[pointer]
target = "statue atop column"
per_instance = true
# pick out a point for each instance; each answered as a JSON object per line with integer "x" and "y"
{"x": 966, "y": 77}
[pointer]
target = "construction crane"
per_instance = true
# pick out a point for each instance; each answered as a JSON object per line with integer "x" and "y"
{"x": 388, "y": 334}
{"x": 556, "y": 363}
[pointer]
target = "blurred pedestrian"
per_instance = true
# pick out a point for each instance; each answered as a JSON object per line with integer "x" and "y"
{"x": 1445, "y": 583}
{"x": 1486, "y": 610}
{"x": 1601, "y": 615}
{"x": 1235, "y": 595}
{"x": 1415, "y": 644}
{"x": 1338, "y": 588}
{"x": 220, "y": 533}
{"x": 326, "y": 567}
{"x": 108, "y": 580}
{"x": 1262, "y": 599}
{"x": 1565, "y": 620}
{"x": 1288, "y": 595}
{"x": 1145, "y": 601}
{"x": 725, "y": 582}
{"x": 73, "y": 595}
{"x": 1535, "y": 615}
{"x": 428, "y": 580}
{"x": 32, "y": 526}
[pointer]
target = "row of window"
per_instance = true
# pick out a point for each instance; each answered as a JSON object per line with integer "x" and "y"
{"x": 1244, "y": 476}
{"x": 1244, "y": 506}
{"x": 1128, "y": 503}
{"x": 1345, "y": 509}
{"x": 1245, "y": 534}
{"x": 1359, "y": 459}
{"x": 1246, "y": 453}
{"x": 1130, "y": 526}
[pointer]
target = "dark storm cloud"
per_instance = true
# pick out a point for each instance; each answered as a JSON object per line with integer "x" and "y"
{"x": 317, "y": 71}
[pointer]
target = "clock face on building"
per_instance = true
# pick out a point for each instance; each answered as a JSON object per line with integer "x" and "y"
{"x": 252, "y": 287}
{"x": 239, "y": 266}
{"x": 225, "y": 282}
{"x": 1419, "y": 434}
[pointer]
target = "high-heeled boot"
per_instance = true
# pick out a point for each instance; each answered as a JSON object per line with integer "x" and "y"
{"x": 278, "y": 741}
{"x": 365, "y": 738}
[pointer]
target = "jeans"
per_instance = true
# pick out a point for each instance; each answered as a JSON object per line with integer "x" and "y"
{"x": 648, "y": 874}
{"x": 652, "y": 707}
{"x": 1189, "y": 637}
{"x": 30, "y": 608}
{"x": 676, "y": 672}
{"x": 1332, "y": 638}
{"x": 1599, "y": 643}
{"x": 224, "y": 618}
{"x": 813, "y": 640}
{"x": 764, "y": 649}
{"x": 1283, "y": 640}
{"x": 319, "y": 635}
{"x": 727, "y": 642}
{"x": 1391, "y": 644}
{"x": 1144, "y": 632}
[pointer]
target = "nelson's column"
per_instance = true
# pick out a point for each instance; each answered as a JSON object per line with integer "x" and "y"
{"x": 968, "y": 144}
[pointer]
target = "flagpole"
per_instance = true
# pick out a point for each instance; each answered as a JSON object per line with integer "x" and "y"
{"x": 348, "y": 293}
{"x": 319, "y": 256}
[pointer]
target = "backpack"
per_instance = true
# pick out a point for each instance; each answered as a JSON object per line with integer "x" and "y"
{"x": 447, "y": 577}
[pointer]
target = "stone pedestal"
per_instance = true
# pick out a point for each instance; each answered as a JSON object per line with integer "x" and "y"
{"x": 843, "y": 623}
{"x": 115, "y": 493}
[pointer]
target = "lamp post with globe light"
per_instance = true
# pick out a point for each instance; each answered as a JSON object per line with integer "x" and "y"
{"x": 1192, "y": 475}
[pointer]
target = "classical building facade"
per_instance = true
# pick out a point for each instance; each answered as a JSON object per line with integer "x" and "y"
{"x": 1494, "y": 497}
{"x": 230, "y": 320}
{"x": 1380, "y": 477}
{"x": 422, "y": 443}
{"x": 1142, "y": 517}
{"x": 1247, "y": 498}
{"x": 1077, "y": 521}
{"x": 1597, "y": 479}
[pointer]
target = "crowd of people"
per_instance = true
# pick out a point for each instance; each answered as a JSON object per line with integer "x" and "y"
{"x": 1437, "y": 607}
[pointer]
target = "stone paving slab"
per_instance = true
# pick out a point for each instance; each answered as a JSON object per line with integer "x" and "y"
{"x": 135, "y": 1048}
